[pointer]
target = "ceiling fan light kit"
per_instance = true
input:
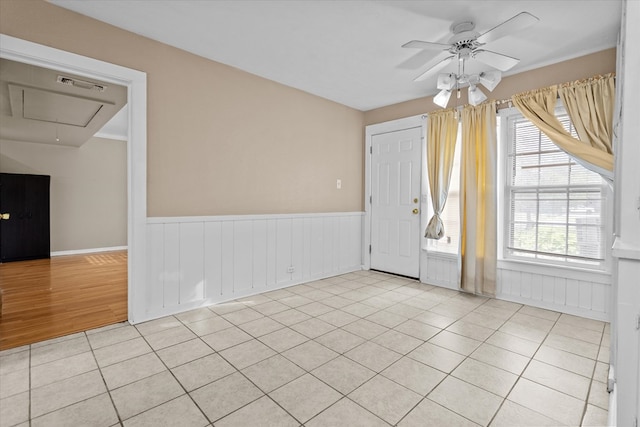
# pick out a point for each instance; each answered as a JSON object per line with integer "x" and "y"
{"x": 464, "y": 45}
{"x": 442, "y": 98}
{"x": 476, "y": 96}
{"x": 490, "y": 79}
{"x": 446, "y": 81}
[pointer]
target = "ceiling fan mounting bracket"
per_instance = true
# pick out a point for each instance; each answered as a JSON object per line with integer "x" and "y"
{"x": 462, "y": 26}
{"x": 464, "y": 37}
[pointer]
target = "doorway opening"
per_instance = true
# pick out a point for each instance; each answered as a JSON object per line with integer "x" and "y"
{"x": 63, "y": 192}
{"x": 135, "y": 83}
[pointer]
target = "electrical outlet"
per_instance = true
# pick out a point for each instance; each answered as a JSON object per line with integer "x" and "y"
{"x": 339, "y": 184}
{"x": 291, "y": 269}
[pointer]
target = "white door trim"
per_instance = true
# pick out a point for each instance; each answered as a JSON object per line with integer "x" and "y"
{"x": 136, "y": 82}
{"x": 370, "y": 131}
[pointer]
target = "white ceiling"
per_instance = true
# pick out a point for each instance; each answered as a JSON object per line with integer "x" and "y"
{"x": 349, "y": 51}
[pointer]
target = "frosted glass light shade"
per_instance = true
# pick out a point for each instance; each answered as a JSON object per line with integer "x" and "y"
{"x": 490, "y": 79}
{"x": 442, "y": 98}
{"x": 476, "y": 96}
{"x": 446, "y": 81}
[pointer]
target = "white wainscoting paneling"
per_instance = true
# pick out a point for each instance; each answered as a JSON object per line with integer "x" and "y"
{"x": 439, "y": 270}
{"x": 198, "y": 261}
{"x": 582, "y": 293}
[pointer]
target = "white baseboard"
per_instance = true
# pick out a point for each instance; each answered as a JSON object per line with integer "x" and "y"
{"x": 172, "y": 310}
{"x": 89, "y": 251}
{"x": 561, "y": 308}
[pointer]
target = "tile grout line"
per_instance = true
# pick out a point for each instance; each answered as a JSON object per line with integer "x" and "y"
{"x": 450, "y": 374}
{"x": 446, "y": 375}
{"x": 236, "y": 370}
{"x": 155, "y": 352}
{"x": 352, "y": 401}
{"x": 543, "y": 385}
{"x": 73, "y": 376}
{"x": 370, "y": 340}
{"x": 525, "y": 367}
{"x": 339, "y": 308}
{"x": 485, "y": 341}
{"x": 305, "y": 370}
{"x": 278, "y": 353}
{"x": 113, "y": 404}
{"x": 265, "y": 394}
{"x": 99, "y": 369}
{"x": 85, "y": 335}
{"x": 593, "y": 371}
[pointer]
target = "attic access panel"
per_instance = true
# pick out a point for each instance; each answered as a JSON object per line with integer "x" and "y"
{"x": 41, "y": 105}
{"x": 53, "y": 107}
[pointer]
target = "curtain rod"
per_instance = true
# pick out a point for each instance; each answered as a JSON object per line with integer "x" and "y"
{"x": 459, "y": 107}
{"x": 509, "y": 101}
{"x": 500, "y": 104}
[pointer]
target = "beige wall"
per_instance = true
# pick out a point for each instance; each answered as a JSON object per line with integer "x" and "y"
{"x": 88, "y": 189}
{"x": 585, "y": 66}
{"x": 220, "y": 141}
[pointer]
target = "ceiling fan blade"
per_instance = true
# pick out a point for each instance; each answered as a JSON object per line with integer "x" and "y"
{"x": 517, "y": 23}
{"x": 434, "y": 68}
{"x": 495, "y": 60}
{"x": 419, "y": 44}
{"x": 417, "y": 60}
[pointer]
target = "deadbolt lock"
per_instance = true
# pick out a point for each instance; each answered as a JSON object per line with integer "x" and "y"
{"x": 415, "y": 200}
{"x": 415, "y": 211}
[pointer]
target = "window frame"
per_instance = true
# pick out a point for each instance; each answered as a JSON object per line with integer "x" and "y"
{"x": 506, "y": 117}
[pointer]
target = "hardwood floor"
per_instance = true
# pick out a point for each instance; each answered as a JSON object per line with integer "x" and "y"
{"x": 48, "y": 298}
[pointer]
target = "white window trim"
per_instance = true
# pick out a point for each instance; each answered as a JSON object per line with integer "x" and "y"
{"x": 504, "y": 137}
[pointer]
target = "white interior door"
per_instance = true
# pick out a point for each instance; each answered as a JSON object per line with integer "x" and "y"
{"x": 395, "y": 201}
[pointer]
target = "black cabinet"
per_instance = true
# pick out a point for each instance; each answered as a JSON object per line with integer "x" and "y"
{"x": 25, "y": 233}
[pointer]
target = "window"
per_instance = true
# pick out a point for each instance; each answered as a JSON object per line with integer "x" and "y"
{"x": 450, "y": 242}
{"x": 554, "y": 207}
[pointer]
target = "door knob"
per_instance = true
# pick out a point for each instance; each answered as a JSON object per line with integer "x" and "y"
{"x": 415, "y": 211}
{"x": 5, "y": 216}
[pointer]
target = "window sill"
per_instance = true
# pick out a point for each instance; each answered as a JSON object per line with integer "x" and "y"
{"x": 597, "y": 276}
{"x": 624, "y": 250}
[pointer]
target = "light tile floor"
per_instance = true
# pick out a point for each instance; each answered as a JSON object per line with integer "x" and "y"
{"x": 361, "y": 349}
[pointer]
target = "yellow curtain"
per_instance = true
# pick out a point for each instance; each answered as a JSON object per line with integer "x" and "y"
{"x": 441, "y": 144}
{"x": 478, "y": 210}
{"x": 589, "y": 104}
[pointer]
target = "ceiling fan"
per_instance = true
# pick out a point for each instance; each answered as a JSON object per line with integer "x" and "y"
{"x": 466, "y": 43}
